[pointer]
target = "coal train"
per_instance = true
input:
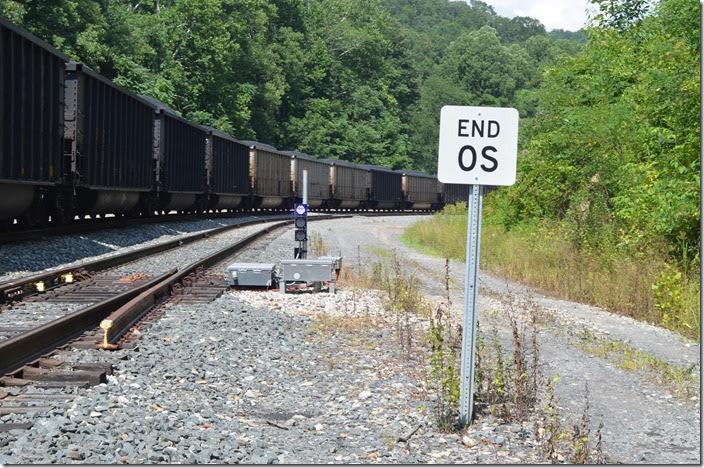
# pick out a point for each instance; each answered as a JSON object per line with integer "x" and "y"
{"x": 75, "y": 144}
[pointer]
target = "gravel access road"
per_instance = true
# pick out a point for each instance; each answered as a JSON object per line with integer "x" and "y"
{"x": 643, "y": 421}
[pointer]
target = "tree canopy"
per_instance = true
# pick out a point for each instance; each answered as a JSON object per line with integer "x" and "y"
{"x": 361, "y": 80}
{"x": 615, "y": 147}
{"x": 610, "y": 115}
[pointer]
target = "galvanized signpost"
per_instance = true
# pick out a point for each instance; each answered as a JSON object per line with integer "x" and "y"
{"x": 478, "y": 146}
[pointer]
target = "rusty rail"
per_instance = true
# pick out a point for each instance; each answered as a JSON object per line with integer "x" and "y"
{"x": 120, "y": 321}
{"x": 126, "y": 307}
{"x": 22, "y": 349}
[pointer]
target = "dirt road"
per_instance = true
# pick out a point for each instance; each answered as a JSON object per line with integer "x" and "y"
{"x": 647, "y": 414}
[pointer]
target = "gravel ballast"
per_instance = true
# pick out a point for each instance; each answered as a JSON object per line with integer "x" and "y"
{"x": 19, "y": 259}
{"x": 257, "y": 377}
{"x": 27, "y": 315}
{"x": 260, "y": 377}
{"x": 250, "y": 378}
{"x": 189, "y": 253}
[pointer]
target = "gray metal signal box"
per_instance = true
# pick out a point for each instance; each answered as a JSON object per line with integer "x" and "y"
{"x": 251, "y": 274}
{"x": 308, "y": 271}
{"x": 336, "y": 262}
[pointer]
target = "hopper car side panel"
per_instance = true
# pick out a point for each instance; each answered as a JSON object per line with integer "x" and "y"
{"x": 181, "y": 155}
{"x": 271, "y": 173}
{"x": 353, "y": 183}
{"x": 454, "y": 193}
{"x": 31, "y": 118}
{"x": 111, "y": 131}
{"x": 229, "y": 166}
{"x": 386, "y": 188}
{"x": 318, "y": 178}
{"x": 350, "y": 183}
{"x": 31, "y": 105}
{"x": 420, "y": 188}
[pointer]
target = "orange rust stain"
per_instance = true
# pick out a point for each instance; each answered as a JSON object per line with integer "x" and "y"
{"x": 132, "y": 278}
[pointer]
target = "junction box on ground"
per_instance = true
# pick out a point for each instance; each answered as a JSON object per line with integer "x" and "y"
{"x": 308, "y": 271}
{"x": 252, "y": 275}
{"x": 336, "y": 262}
{"x": 314, "y": 271}
{"x": 304, "y": 271}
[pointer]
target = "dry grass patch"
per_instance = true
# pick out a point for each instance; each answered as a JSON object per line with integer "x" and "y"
{"x": 644, "y": 285}
{"x": 317, "y": 246}
{"x": 508, "y": 382}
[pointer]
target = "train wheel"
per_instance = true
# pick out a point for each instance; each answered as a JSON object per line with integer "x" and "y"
{"x": 36, "y": 216}
{"x": 65, "y": 215}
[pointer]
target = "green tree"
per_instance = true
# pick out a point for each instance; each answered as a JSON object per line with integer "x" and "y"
{"x": 618, "y": 129}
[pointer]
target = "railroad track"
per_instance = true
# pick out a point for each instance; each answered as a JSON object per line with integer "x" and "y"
{"x": 16, "y": 289}
{"x": 96, "y": 310}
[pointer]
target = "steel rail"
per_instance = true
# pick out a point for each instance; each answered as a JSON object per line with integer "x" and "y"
{"x": 114, "y": 315}
{"x": 120, "y": 321}
{"x": 17, "y": 288}
{"x": 29, "y": 346}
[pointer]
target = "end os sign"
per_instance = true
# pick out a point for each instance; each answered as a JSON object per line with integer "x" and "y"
{"x": 478, "y": 145}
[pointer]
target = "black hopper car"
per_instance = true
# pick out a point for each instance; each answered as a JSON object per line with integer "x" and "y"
{"x": 73, "y": 143}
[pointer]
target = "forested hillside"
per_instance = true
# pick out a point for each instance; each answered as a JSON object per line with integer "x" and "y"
{"x": 614, "y": 155}
{"x": 361, "y": 80}
{"x": 606, "y": 204}
{"x": 616, "y": 146}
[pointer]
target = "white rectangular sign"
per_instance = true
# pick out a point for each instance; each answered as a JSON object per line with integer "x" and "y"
{"x": 478, "y": 145}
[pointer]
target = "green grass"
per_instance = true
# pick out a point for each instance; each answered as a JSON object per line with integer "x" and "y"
{"x": 643, "y": 286}
{"x": 681, "y": 382}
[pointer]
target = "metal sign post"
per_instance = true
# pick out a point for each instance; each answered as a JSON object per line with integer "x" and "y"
{"x": 478, "y": 146}
{"x": 471, "y": 293}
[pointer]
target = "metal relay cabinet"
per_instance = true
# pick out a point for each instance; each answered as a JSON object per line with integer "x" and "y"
{"x": 336, "y": 262}
{"x": 309, "y": 271}
{"x": 251, "y": 274}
